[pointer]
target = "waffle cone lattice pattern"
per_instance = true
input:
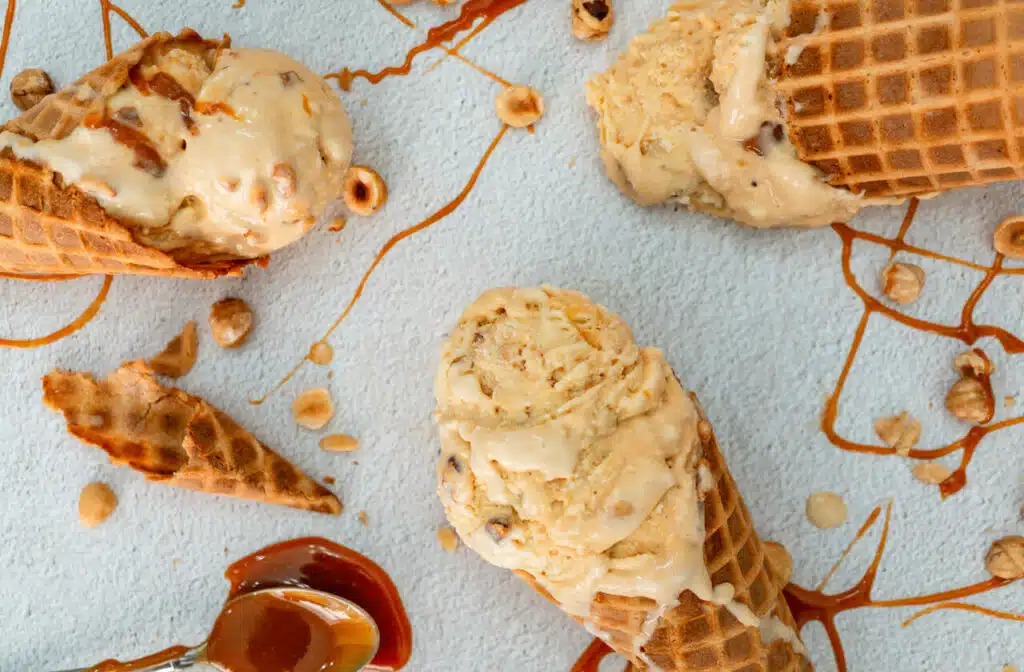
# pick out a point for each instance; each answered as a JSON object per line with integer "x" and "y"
{"x": 697, "y": 635}
{"x": 892, "y": 97}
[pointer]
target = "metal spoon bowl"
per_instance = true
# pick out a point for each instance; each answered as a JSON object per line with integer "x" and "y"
{"x": 197, "y": 655}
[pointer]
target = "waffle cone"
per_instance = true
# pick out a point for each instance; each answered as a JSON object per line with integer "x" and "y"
{"x": 696, "y": 635}
{"x": 897, "y": 98}
{"x": 49, "y": 227}
{"x": 179, "y": 439}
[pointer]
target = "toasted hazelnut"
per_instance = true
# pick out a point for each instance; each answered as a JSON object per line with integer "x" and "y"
{"x": 337, "y": 224}
{"x": 284, "y": 179}
{"x": 592, "y": 19}
{"x": 258, "y": 197}
{"x": 321, "y": 353}
{"x": 95, "y": 504}
{"x": 779, "y": 561}
{"x": 339, "y": 443}
{"x": 931, "y": 473}
{"x": 313, "y": 408}
{"x": 826, "y": 510}
{"x": 970, "y": 401}
{"x": 448, "y": 539}
{"x": 497, "y": 528}
{"x": 973, "y": 363}
{"x": 454, "y": 464}
{"x": 519, "y": 106}
{"x": 179, "y": 356}
{"x": 902, "y": 282}
{"x": 231, "y": 322}
{"x": 1005, "y": 559}
{"x": 1009, "y": 237}
{"x": 29, "y": 87}
{"x": 363, "y": 518}
{"x": 330, "y": 480}
{"x": 899, "y": 432}
{"x": 364, "y": 190}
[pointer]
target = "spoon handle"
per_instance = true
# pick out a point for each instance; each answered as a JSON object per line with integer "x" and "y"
{"x": 187, "y": 661}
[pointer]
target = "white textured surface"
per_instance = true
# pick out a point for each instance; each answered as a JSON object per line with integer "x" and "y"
{"x": 757, "y": 323}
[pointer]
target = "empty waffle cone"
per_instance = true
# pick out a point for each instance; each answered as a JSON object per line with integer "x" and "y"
{"x": 176, "y": 438}
{"x": 49, "y": 227}
{"x": 696, "y": 635}
{"x": 897, "y": 98}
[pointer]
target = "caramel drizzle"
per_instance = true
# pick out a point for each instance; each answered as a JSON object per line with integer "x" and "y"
{"x": 106, "y": 7}
{"x": 815, "y": 605}
{"x": 238, "y": 4}
{"x": 6, "y": 40}
{"x": 487, "y": 10}
{"x": 967, "y": 331}
{"x": 446, "y": 210}
{"x": 78, "y": 323}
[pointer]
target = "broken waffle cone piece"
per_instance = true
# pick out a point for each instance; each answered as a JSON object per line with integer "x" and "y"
{"x": 176, "y": 438}
{"x": 48, "y": 226}
{"x": 700, "y": 636}
{"x": 900, "y": 98}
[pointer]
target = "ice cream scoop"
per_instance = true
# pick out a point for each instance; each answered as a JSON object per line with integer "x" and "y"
{"x": 297, "y": 629}
{"x": 200, "y": 151}
{"x": 574, "y": 457}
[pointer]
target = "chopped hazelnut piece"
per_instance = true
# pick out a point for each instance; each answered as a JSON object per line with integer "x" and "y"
{"x": 29, "y": 87}
{"x": 231, "y": 322}
{"x": 519, "y": 106}
{"x": 899, "y": 432}
{"x": 321, "y": 353}
{"x": 973, "y": 363}
{"x": 1005, "y": 559}
{"x": 592, "y": 19}
{"x": 826, "y": 510}
{"x": 313, "y": 408}
{"x": 1009, "y": 237}
{"x": 497, "y": 528}
{"x": 179, "y": 356}
{"x": 779, "y": 560}
{"x": 284, "y": 179}
{"x": 330, "y": 480}
{"x": 448, "y": 539}
{"x": 363, "y": 518}
{"x": 336, "y": 224}
{"x": 95, "y": 504}
{"x": 339, "y": 443}
{"x": 969, "y": 400}
{"x": 364, "y": 190}
{"x": 902, "y": 282}
{"x": 931, "y": 473}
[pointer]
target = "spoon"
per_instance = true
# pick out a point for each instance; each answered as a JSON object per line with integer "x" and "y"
{"x": 297, "y": 629}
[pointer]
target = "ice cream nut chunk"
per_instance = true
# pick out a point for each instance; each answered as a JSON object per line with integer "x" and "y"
{"x": 339, "y": 443}
{"x": 364, "y": 190}
{"x": 519, "y": 106}
{"x": 568, "y": 452}
{"x": 902, "y": 282}
{"x": 230, "y": 321}
{"x": 448, "y": 539}
{"x": 970, "y": 400}
{"x": 932, "y": 473}
{"x": 321, "y": 353}
{"x": 592, "y": 19}
{"x": 95, "y": 504}
{"x": 313, "y": 408}
{"x": 29, "y": 87}
{"x": 826, "y": 510}
{"x": 973, "y": 363}
{"x": 899, "y": 432}
{"x": 208, "y": 154}
{"x": 1005, "y": 559}
{"x": 1009, "y": 237}
{"x": 780, "y": 560}
{"x": 689, "y": 115}
{"x": 180, "y": 355}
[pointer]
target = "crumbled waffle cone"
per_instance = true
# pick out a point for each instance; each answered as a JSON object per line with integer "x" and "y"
{"x": 697, "y": 635}
{"x": 175, "y": 438}
{"x": 895, "y": 98}
{"x": 49, "y": 227}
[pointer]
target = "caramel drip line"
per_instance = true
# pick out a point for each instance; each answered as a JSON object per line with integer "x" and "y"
{"x": 486, "y": 10}
{"x": 90, "y": 312}
{"x": 5, "y": 42}
{"x": 106, "y": 7}
{"x": 446, "y": 210}
{"x": 590, "y": 659}
{"x": 814, "y": 605}
{"x": 967, "y": 331}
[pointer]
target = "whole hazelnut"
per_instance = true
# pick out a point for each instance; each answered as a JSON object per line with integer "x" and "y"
{"x": 29, "y": 87}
